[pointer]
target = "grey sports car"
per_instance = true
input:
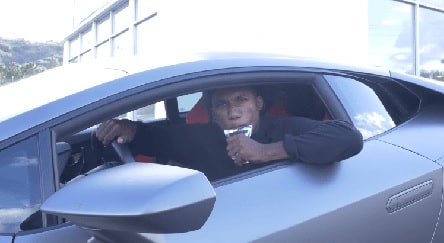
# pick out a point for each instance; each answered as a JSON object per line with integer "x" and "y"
{"x": 57, "y": 184}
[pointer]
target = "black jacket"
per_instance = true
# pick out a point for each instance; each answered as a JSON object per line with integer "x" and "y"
{"x": 203, "y": 146}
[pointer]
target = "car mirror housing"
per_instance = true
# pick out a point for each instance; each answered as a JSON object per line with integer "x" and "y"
{"x": 136, "y": 197}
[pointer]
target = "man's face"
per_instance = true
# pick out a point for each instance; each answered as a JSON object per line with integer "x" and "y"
{"x": 233, "y": 108}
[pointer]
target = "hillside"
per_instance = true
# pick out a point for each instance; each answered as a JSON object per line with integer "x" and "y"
{"x": 21, "y": 51}
{"x": 20, "y": 58}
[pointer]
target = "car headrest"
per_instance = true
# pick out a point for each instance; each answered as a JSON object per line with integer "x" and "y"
{"x": 198, "y": 114}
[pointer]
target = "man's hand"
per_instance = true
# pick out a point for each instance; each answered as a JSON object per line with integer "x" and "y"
{"x": 123, "y": 130}
{"x": 243, "y": 149}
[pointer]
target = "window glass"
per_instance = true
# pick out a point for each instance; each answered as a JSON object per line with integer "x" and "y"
{"x": 431, "y": 44}
{"x": 146, "y": 8}
{"x": 146, "y": 40}
{"x": 103, "y": 51}
{"x": 363, "y": 106}
{"x": 121, "y": 18}
{"x": 186, "y": 102}
{"x": 74, "y": 47}
{"x": 84, "y": 8}
{"x": 157, "y": 111}
{"x": 87, "y": 39}
{"x": 103, "y": 29}
{"x": 433, "y": 3}
{"x": 147, "y": 113}
{"x": 391, "y": 38}
{"x": 121, "y": 45}
{"x": 19, "y": 187}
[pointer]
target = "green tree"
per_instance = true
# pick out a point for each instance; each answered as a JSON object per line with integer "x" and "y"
{"x": 14, "y": 71}
{"x": 20, "y": 59}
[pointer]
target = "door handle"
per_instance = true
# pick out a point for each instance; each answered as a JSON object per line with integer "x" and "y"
{"x": 409, "y": 196}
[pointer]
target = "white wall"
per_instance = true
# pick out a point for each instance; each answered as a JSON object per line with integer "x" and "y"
{"x": 334, "y": 30}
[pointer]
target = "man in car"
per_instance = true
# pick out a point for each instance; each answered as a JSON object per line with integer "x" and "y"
{"x": 205, "y": 147}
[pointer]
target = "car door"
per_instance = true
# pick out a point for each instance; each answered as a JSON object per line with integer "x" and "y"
{"x": 20, "y": 194}
{"x": 344, "y": 202}
{"x": 386, "y": 193}
{"x": 26, "y": 177}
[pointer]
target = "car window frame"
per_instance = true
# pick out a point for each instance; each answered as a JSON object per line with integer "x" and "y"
{"x": 397, "y": 110}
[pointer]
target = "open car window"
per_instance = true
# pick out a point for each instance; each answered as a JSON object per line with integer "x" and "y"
{"x": 284, "y": 99}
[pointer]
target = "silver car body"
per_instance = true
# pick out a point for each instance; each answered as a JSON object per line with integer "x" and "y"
{"x": 390, "y": 192}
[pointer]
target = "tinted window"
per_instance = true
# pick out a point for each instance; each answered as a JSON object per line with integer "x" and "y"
{"x": 363, "y": 106}
{"x": 19, "y": 190}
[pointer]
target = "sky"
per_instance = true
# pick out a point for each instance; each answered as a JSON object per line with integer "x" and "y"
{"x": 36, "y": 20}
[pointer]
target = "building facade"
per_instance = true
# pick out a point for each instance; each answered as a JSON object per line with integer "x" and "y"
{"x": 400, "y": 35}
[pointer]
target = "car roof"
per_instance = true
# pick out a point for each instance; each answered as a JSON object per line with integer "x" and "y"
{"x": 57, "y": 91}
{"x": 51, "y": 85}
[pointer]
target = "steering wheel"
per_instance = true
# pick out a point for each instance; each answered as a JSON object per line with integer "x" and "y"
{"x": 123, "y": 152}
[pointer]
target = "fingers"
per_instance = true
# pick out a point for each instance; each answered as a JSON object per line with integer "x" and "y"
{"x": 233, "y": 145}
{"x": 235, "y": 141}
{"x": 239, "y": 160}
{"x": 235, "y": 149}
{"x": 110, "y": 130}
{"x": 102, "y": 132}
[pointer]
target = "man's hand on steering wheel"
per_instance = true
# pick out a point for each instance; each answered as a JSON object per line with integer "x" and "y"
{"x": 123, "y": 131}
{"x": 118, "y": 133}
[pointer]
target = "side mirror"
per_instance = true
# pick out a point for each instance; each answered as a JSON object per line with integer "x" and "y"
{"x": 136, "y": 197}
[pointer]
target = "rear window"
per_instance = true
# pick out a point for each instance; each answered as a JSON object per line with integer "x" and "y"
{"x": 363, "y": 106}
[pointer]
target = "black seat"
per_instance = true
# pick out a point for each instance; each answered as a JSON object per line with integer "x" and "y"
{"x": 303, "y": 101}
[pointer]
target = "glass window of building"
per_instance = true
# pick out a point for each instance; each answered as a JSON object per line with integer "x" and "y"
{"x": 433, "y": 3}
{"x": 84, "y": 8}
{"x": 103, "y": 29}
{"x": 391, "y": 36}
{"x": 145, "y": 8}
{"x": 147, "y": 37}
{"x": 103, "y": 51}
{"x": 388, "y": 37}
{"x": 122, "y": 18}
{"x": 87, "y": 39}
{"x": 431, "y": 44}
{"x": 121, "y": 45}
{"x": 74, "y": 48}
